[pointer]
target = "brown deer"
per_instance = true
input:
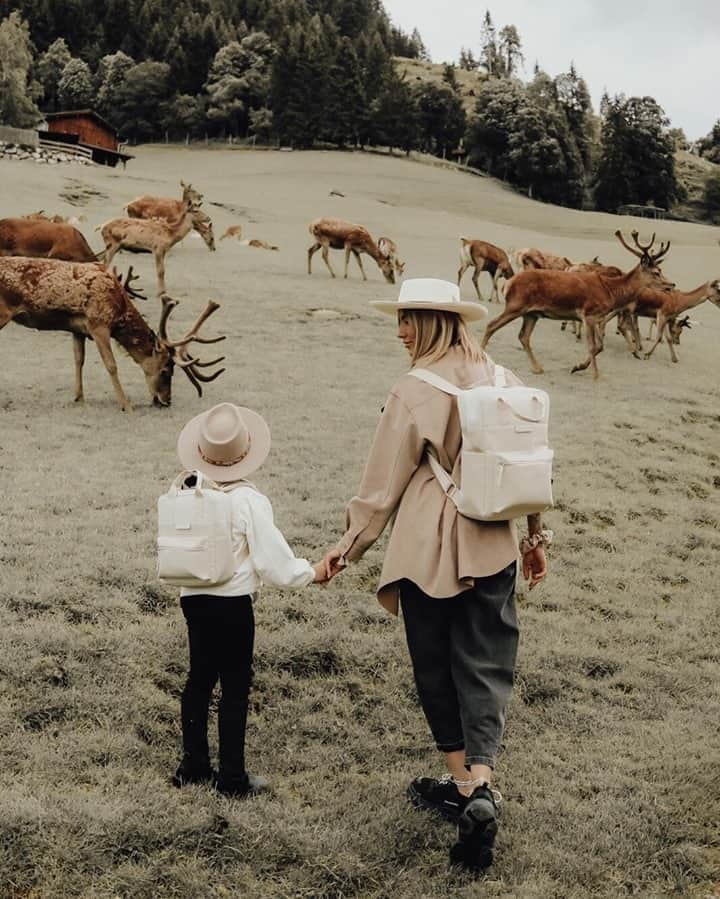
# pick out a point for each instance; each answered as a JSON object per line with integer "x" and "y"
{"x": 335, "y": 234}
{"x": 485, "y": 257}
{"x": 593, "y": 266}
{"x": 664, "y": 308}
{"x": 154, "y": 236}
{"x": 532, "y": 258}
{"x": 588, "y": 297}
{"x": 90, "y": 301}
{"x": 389, "y": 250}
{"x": 151, "y": 207}
{"x": 41, "y": 238}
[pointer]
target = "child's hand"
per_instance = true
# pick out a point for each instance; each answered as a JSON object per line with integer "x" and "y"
{"x": 321, "y": 574}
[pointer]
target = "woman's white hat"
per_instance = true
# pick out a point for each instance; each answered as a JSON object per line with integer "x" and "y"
{"x": 225, "y": 443}
{"x": 432, "y": 293}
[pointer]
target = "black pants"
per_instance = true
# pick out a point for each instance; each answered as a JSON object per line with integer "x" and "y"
{"x": 463, "y": 651}
{"x": 221, "y": 633}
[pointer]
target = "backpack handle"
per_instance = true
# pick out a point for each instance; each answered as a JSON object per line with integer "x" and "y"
{"x": 501, "y": 399}
{"x": 200, "y": 480}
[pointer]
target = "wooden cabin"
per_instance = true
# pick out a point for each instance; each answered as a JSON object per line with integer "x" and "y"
{"x": 87, "y": 131}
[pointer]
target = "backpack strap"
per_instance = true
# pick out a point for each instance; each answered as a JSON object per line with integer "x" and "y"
{"x": 422, "y": 374}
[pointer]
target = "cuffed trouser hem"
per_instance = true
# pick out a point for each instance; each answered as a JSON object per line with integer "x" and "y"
{"x": 451, "y": 747}
{"x": 480, "y": 760}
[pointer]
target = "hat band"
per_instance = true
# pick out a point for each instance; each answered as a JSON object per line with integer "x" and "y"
{"x": 224, "y": 464}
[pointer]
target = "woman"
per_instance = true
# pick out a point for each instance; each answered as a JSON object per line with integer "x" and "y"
{"x": 453, "y": 576}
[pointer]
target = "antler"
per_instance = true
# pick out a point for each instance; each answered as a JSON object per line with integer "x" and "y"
{"x": 627, "y": 246}
{"x": 644, "y": 253}
{"x": 189, "y": 364}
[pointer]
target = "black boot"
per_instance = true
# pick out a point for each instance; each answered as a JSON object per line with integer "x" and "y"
{"x": 477, "y": 829}
{"x": 193, "y": 770}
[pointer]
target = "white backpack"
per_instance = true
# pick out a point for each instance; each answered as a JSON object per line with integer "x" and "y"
{"x": 195, "y": 547}
{"x": 505, "y": 461}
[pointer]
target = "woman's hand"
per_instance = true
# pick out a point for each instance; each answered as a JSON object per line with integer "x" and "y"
{"x": 534, "y": 565}
{"x": 333, "y": 563}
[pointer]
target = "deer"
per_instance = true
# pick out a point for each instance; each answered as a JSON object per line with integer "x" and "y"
{"x": 532, "y": 258}
{"x": 389, "y": 250}
{"x": 335, "y": 234}
{"x": 593, "y": 266}
{"x": 485, "y": 257}
{"x": 236, "y": 231}
{"x": 151, "y": 207}
{"x": 664, "y": 309}
{"x": 91, "y": 302}
{"x": 41, "y": 238}
{"x": 154, "y": 236}
{"x": 578, "y": 296}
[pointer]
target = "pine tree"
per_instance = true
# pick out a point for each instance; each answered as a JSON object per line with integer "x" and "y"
{"x": 347, "y": 104}
{"x": 395, "y": 115}
{"x": 490, "y": 58}
{"x": 509, "y": 51}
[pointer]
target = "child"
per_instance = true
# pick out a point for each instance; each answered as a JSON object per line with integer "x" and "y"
{"x": 227, "y": 444}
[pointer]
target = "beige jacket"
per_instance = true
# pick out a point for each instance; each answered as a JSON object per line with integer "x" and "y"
{"x": 430, "y": 544}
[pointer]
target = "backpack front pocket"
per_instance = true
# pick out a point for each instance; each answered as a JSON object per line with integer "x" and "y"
{"x": 501, "y": 486}
{"x": 185, "y": 559}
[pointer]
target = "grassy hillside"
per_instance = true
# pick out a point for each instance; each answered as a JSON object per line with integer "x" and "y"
{"x": 609, "y": 762}
{"x": 416, "y": 70}
{"x": 693, "y": 172}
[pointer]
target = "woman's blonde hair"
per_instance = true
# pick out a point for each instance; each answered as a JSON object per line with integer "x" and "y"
{"x": 436, "y": 332}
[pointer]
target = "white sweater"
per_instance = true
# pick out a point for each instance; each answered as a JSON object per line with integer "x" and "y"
{"x": 261, "y": 552}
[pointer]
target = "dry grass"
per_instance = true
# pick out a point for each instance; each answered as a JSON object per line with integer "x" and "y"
{"x": 610, "y": 765}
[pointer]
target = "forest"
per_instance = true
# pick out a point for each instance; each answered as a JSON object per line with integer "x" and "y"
{"x": 305, "y": 73}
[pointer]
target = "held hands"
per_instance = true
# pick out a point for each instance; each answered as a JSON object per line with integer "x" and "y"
{"x": 331, "y": 565}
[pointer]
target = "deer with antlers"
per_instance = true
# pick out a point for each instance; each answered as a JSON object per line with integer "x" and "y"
{"x": 485, "y": 257}
{"x": 154, "y": 236}
{"x": 41, "y": 238}
{"x": 91, "y": 302}
{"x": 588, "y": 297}
{"x": 335, "y": 234}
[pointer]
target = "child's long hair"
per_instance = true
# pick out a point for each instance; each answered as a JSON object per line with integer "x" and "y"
{"x": 436, "y": 332}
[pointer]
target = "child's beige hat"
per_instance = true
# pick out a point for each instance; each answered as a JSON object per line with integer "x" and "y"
{"x": 225, "y": 443}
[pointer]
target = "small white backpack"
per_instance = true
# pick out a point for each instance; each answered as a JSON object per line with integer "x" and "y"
{"x": 195, "y": 547}
{"x": 505, "y": 461}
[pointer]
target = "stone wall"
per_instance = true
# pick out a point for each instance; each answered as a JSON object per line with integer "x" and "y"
{"x": 21, "y": 137}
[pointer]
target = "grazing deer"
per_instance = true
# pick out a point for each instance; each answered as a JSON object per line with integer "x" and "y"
{"x": 664, "y": 308}
{"x": 154, "y": 236}
{"x": 335, "y": 234}
{"x": 41, "y": 238}
{"x": 233, "y": 231}
{"x": 389, "y": 250}
{"x": 588, "y": 297}
{"x": 485, "y": 257}
{"x": 89, "y": 301}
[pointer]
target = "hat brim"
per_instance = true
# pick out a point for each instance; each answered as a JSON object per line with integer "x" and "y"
{"x": 471, "y": 311}
{"x": 188, "y": 449}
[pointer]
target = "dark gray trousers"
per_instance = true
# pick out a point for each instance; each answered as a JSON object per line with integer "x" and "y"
{"x": 463, "y": 651}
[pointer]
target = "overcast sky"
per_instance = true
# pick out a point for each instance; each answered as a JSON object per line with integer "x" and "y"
{"x": 668, "y": 49}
